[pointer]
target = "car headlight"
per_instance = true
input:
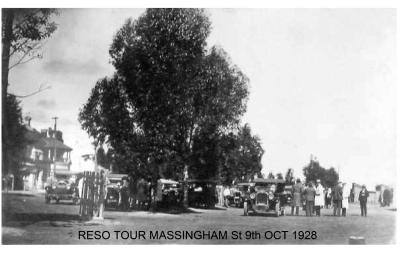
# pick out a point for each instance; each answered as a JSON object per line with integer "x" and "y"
{"x": 54, "y": 187}
{"x": 68, "y": 187}
{"x": 252, "y": 196}
{"x": 271, "y": 196}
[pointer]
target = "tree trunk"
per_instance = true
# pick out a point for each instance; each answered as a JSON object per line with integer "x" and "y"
{"x": 7, "y": 23}
{"x": 185, "y": 186}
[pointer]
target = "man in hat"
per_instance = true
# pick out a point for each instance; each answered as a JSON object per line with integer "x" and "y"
{"x": 319, "y": 197}
{"x": 363, "y": 197}
{"x": 297, "y": 191}
{"x": 124, "y": 194}
{"x": 309, "y": 194}
{"x": 337, "y": 198}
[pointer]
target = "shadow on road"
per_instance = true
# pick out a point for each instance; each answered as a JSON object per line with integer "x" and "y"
{"x": 24, "y": 219}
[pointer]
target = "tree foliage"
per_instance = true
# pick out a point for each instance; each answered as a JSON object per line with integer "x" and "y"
{"x": 228, "y": 156}
{"x": 168, "y": 89}
{"x": 30, "y": 27}
{"x": 313, "y": 171}
{"x": 13, "y": 148}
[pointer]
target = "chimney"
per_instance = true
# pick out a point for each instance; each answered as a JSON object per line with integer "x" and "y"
{"x": 28, "y": 120}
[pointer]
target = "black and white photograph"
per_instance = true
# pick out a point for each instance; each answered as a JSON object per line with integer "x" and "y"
{"x": 199, "y": 126}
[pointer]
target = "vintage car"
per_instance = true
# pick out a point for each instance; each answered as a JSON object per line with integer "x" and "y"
{"x": 62, "y": 186}
{"x": 114, "y": 183}
{"x": 287, "y": 197}
{"x": 168, "y": 192}
{"x": 265, "y": 197}
{"x": 239, "y": 196}
{"x": 202, "y": 193}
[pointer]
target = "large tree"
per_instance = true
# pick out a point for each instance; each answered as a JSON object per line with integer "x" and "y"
{"x": 167, "y": 88}
{"x": 23, "y": 32}
{"x": 168, "y": 85}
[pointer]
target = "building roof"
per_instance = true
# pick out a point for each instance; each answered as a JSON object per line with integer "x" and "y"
{"x": 42, "y": 142}
{"x": 53, "y": 143}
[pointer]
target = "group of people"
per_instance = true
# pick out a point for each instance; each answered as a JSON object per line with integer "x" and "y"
{"x": 314, "y": 197}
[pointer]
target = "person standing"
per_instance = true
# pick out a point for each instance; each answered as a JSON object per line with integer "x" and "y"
{"x": 346, "y": 196}
{"x": 227, "y": 195}
{"x": 337, "y": 198}
{"x": 328, "y": 198}
{"x": 319, "y": 197}
{"x": 309, "y": 194}
{"x": 124, "y": 194}
{"x": 297, "y": 191}
{"x": 363, "y": 197}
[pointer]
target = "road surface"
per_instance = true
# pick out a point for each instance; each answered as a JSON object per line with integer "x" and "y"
{"x": 28, "y": 220}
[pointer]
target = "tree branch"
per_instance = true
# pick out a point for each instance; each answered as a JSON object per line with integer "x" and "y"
{"x": 41, "y": 88}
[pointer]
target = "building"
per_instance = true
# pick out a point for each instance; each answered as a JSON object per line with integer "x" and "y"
{"x": 45, "y": 152}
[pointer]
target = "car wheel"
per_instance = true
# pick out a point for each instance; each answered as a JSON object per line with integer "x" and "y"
{"x": 245, "y": 209}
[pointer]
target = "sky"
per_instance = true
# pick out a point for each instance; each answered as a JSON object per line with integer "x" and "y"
{"x": 322, "y": 82}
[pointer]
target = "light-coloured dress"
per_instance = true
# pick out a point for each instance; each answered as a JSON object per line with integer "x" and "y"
{"x": 346, "y": 195}
{"x": 319, "y": 196}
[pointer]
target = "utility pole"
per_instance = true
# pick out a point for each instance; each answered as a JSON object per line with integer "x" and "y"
{"x": 55, "y": 148}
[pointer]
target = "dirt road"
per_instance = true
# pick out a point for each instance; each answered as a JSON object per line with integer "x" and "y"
{"x": 28, "y": 220}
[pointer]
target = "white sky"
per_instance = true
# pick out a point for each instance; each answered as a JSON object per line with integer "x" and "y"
{"x": 322, "y": 82}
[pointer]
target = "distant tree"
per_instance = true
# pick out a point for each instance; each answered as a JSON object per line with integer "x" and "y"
{"x": 331, "y": 177}
{"x": 279, "y": 176}
{"x": 314, "y": 171}
{"x": 270, "y": 176}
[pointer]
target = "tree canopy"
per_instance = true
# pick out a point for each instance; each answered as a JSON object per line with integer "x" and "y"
{"x": 313, "y": 171}
{"x": 168, "y": 89}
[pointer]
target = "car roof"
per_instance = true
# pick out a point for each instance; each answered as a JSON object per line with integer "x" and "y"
{"x": 273, "y": 181}
{"x": 245, "y": 184}
{"x": 201, "y": 181}
{"x": 168, "y": 181}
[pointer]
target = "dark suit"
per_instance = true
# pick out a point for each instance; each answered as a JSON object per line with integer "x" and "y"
{"x": 363, "y": 198}
{"x": 337, "y": 197}
{"x": 309, "y": 194}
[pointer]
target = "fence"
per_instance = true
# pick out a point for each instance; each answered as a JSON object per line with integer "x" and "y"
{"x": 92, "y": 195}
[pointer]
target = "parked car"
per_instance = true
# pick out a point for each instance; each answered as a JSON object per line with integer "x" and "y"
{"x": 239, "y": 195}
{"x": 168, "y": 192}
{"x": 62, "y": 186}
{"x": 202, "y": 193}
{"x": 265, "y": 197}
{"x": 113, "y": 186}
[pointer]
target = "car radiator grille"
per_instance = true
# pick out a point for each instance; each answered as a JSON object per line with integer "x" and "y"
{"x": 262, "y": 198}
